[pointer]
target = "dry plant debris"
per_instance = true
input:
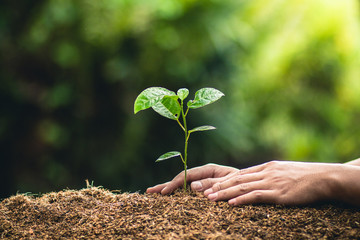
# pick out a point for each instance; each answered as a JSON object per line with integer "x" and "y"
{"x": 96, "y": 213}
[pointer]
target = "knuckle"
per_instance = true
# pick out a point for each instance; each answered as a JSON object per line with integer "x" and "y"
{"x": 206, "y": 182}
{"x": 258, "y": 195}
{"x": 272, "y": 164}
{"x": 216, "y": 187}
{"x": 180, "y": 176}
{"x": 222, "y": 195}
{"x": 210, "y": 168}
{"x": 242, "y": 171}
{"x": 243, "y": 187}
{"x": 238, "y": 179}
{"x": 210, "y": 165}
{"x": 182, "y": 173}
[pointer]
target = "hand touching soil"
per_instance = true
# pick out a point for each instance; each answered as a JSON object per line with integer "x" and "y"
{"x": 276, "y": 182}
{"x": 208, "y": 174}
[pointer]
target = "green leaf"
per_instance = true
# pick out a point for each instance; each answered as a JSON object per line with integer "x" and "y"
{"x": 168, "y": 155}
{"x": 151, "y": 96}
{"x": 202, "y": 128}
{"x": 168, "y": 107}
{"x": 204, "y": 97}
{"x": 183, "y": 93}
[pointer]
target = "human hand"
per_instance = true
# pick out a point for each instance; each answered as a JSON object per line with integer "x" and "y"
{"x": 209, "y": 174}
{"x": 277, "y": 182}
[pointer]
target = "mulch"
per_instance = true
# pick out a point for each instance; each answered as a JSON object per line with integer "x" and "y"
{"x": 97, "y": 213}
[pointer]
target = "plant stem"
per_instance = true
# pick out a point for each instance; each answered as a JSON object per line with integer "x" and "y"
{"x": 186, "y": 143}
{"x": 180, "y": 124}
{"x": 185, "y": 160}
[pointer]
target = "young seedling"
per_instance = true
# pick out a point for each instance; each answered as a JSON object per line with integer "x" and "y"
{"x": 171, "y": 105}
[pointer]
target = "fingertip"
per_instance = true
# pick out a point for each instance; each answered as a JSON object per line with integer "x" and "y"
{"x": 232, "y": 202}
{"x": 150, "y": 190}
{"x": 213, "y": 196}
{"x": 165, "y": 191}
{"x": 208, "y": 191}
{"x": 197, "y": 186}
{"x": 156, "y": 189}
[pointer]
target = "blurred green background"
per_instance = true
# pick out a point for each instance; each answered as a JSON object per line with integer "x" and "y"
{"x": 71, "y": 70}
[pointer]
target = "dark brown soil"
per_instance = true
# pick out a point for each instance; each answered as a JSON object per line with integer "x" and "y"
{"x": 101, "y": 214}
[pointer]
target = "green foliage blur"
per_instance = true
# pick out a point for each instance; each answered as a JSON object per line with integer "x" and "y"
{"x": 71, "y": 70}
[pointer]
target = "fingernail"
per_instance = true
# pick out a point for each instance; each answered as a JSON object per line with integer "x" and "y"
{"x": 232, "y": 201}
{"x": 213, "y": 196}
{"x": 197, "y": 186}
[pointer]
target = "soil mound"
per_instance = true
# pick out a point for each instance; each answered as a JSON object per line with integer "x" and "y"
{"x": 96, "y": 213}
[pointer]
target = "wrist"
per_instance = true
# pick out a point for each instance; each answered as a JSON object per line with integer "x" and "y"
{"x": 344, "y": 184}
{"x": 334, "y": 182}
